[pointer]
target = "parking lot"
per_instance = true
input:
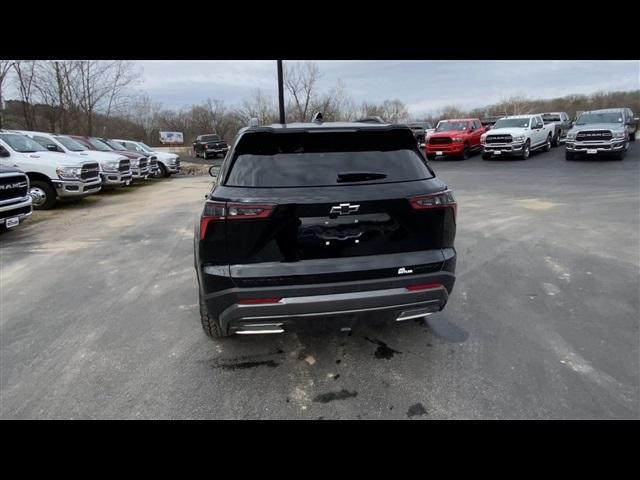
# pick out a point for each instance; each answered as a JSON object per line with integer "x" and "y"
{"x": 100, "y": 318}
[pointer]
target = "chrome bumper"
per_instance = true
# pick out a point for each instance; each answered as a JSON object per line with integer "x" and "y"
{"x": 113, "y": 179}
{"x": 6, "y": 209}
{"x": 599, "y": 146}
{"x": 140, "y": 173}
{"x": 76, "y": 188}
{"x": 503, "y": 148}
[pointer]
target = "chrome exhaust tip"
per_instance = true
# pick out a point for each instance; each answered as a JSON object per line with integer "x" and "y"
{"x": 418, "y": 312}
{"x": 260, "y": 328}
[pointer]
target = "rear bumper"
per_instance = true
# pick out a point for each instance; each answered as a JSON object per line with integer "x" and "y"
{"x": 388, "y": 298}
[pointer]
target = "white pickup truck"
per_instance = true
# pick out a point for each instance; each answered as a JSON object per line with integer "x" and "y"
{"x": 51, "y": 175}
{"x": 517, "y": 135}
{"x": 115, "y": 170}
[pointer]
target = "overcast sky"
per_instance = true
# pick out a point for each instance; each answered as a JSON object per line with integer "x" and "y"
{"x": 423, "y": 86}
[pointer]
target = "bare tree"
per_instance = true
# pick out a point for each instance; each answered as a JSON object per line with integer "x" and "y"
{"x": 301, "y": 81}
{"x": 259, "y": 106}
{"x": 5, "y": 67}
{"x": 26, "y": 76}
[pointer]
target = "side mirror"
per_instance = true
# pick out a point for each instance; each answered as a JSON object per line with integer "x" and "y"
{"x": 214, "y": 170}
{"x": 4, "y": 152}
{"x": 52, "y": 147}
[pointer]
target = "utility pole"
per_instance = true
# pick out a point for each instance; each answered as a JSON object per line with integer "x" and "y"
{"x": 280, "y": 92}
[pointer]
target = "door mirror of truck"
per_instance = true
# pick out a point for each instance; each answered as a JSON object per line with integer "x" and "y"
{"x": 52, "y": 147}
{"x": 4, "y": 152}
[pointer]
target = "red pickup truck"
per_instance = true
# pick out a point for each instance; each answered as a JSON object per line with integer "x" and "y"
{"x": 457, "y": 137}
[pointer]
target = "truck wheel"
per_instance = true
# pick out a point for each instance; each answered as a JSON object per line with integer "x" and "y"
{"x": 43, "y": 195}
{"x": 210, "y": 325}
{"x": 568, "y": 155}
{"x": 431, "y": 156}
{"x": 465, "y": 153}
{"x": 632, "y": 137}
{"x": 486, "y": 156}
{"x": 526, "y": 150}
{"x": 162, "y": 171}
{"x": 547, "y": 147}
{"x": 556, "y": 140}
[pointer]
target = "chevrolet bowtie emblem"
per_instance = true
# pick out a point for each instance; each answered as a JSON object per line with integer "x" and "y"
{"x": 344, "y": 209}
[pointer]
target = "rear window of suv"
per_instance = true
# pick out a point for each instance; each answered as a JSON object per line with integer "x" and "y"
{"x": 303, "y": 159}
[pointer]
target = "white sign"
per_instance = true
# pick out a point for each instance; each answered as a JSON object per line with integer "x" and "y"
{"x": 171, "y": 137}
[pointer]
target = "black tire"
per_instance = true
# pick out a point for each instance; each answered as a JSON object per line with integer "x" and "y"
{"x": 3, "y": 228}
{"x": 556, "y": 140}
{"x": 620, "y": 156}
{"x": 632, "y": 137}
{"x": 568, "y": 155}
{"x": 210, "y": 325}
{"x": 43, "y": 194}
{"x": 547, "y": 147}
{"x": 526, "y": 151}
{"x": 465, "y": 153}
{"x": 486, "y": 156}
{"x": 163, "y": 173}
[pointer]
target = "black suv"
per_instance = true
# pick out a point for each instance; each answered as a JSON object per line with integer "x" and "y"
{"x": 209, "y": 145}
{"x": 310, "y": 221}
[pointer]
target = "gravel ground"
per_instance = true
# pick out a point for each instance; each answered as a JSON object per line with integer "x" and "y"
{"x": 99, "y": 313}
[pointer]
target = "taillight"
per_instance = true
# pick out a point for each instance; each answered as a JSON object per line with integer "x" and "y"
{"x": 423, "y": 286}
{"x": 435, "y": 200}
{"x": 219, "y": 211}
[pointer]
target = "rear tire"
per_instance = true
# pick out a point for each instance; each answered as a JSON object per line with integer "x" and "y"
{"x": 43, "y": 194}
{"x": 210, "y": 325}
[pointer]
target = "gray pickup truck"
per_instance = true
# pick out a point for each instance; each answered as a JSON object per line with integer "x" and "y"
{"x": 600, "y": 133}
{"x": 561, "y": 125}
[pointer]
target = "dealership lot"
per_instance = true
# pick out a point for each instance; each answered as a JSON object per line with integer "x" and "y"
{"x": 100, "y": 320}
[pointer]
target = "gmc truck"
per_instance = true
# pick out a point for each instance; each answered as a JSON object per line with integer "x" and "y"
{"x": 517, "y": 135}
{"x": 115, "y": 169}
{"x": 600, "y": 133}
{"x": 15, "y": 201}
{"x": 52, "y": 176}
{"x": 455, "y": 138}
{"x": 561, "y": 125}
{"x": 209, "y": 145}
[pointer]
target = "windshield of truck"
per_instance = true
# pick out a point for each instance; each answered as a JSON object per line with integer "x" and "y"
{"x": 451, "y": 126}
{"x": 146, "y": 147}
{"x": 100, "y": 145}
{"x": 22, "y": 143}
{"x": 71, "y": 144}
{"x": 512, "y": 123}
{"x": 599, "y": 117}
{"x": 210, "y": 138}
{"x": 550, "y": 118}
{"x": 325, "y": 159}
{"x": 114, "y": 145}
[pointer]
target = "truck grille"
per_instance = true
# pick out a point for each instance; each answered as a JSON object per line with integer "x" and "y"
{"x": 597, "y": 135}
{"x": 90, "y": 171}
{"x": 499, "y": 139}
{"x": 124, "y": 166}
{"x": 13, "y": 186}
{"x": 439, "y": 140}
{"x": 143, "y": 163}
{"x": 153, "y": 163}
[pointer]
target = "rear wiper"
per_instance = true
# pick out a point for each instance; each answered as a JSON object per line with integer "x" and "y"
{"x": 359, "y": 176}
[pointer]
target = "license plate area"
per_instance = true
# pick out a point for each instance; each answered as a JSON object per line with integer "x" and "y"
{"x": 592, "y": 151}
{"x": 12, "y": 222}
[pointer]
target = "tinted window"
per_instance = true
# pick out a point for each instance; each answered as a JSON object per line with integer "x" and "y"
{"x": 100, "y": 145}
{"x": 22, "y": 143}
{"x": 512, "y": 123}
{"x": 71, "y": 144}
{"x": 316, "y": 159}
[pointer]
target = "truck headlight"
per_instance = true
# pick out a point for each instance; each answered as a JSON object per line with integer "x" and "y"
{"x": 135, "y": 163}
{"x": 618, "y": 135}
{"x": 518, "y": 138}
{"x": 458, "y": 140}
{"x": 483, "y": 137}
{"x": 110, "y": 166}
{"x": 68, "y": 172}
{"x": 571, "y": 136}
